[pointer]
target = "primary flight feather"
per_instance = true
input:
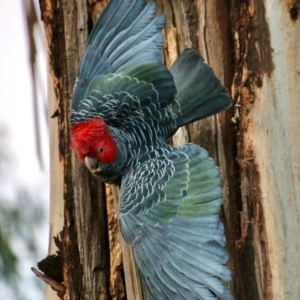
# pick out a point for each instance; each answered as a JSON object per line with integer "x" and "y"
{"x": 126, "y": 104}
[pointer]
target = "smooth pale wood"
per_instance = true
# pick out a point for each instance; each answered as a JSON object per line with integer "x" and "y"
{"x": 56, "y": 183}
{"x": 266, "y": 88}
{"x": 274, "y": 135}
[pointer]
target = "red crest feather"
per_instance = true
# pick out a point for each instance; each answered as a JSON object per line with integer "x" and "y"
{"x": 89, "y": 136}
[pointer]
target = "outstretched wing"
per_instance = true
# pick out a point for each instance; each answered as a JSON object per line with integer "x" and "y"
{"x": 169, "y": 213}
{"x": 139, "y": 95}
{"x": 126, "y": 34}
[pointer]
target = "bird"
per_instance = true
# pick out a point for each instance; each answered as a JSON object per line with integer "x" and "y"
{"x": 126, "y": 106}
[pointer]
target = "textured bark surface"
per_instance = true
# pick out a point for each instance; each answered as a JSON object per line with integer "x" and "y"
{"x": 84, "y": 234}
{"x": 253, "y": 47}
{"x": 266, "y": 89}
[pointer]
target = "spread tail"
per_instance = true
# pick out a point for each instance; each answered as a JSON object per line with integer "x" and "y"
{"x": 199, "y": 92}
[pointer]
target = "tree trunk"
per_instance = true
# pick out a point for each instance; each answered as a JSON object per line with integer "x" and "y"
{"x": 253, "y": 47}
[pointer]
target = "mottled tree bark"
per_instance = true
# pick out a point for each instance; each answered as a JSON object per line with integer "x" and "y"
{"x": 253, "y": 47}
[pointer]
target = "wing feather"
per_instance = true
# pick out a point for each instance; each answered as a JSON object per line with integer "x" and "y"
{"x": 126, "y": 34}
{"x": 171, "y": 219}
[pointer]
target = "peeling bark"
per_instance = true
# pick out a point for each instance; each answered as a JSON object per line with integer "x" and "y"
{"x": 84, "y": 234}
{"x": 265, "y": 89}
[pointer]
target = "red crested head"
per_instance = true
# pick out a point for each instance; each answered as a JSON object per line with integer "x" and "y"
{"x": 92, "y": 139}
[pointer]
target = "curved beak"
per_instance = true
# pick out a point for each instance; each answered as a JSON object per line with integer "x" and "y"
{"x": 92, "y": 164}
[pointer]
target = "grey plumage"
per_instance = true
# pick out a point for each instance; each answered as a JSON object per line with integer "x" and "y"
{"x": 170, "y": 196}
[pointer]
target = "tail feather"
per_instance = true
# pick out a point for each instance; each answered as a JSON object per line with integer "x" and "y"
{"x": 199, "y": 92}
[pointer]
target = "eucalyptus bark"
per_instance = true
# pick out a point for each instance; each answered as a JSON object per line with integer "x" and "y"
{"x": 255, "y": 144}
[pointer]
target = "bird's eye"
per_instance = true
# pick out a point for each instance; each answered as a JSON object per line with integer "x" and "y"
{"x": 101, "y": 149}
